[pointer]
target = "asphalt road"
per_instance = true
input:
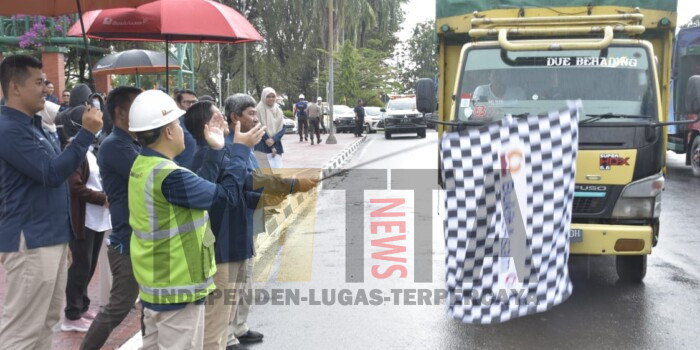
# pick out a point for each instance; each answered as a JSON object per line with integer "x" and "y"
{"x": 602, "y": 313}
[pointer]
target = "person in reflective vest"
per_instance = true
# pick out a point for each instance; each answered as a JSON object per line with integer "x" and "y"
{"x": 172, "y": 246}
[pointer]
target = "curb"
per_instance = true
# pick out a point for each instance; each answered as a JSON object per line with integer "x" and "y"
{"x": 274, "y": 224}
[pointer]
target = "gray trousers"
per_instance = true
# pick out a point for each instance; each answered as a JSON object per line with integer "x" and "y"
{"x": 122, "y": 297}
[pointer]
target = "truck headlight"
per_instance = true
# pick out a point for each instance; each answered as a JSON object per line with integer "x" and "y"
{"x": 641, "y": 199}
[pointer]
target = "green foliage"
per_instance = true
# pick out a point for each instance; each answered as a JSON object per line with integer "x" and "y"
{"x": 288, "y": 113}
{"x": 419, "y": 59}
{"x": 296, "y": 38}
{"x": 694, "y": 22}
{"x": 347, "y": 86}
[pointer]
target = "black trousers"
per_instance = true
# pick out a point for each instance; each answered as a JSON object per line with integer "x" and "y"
{"x": 85, "y": 253}
{"x": 122, "y": 297}
{"x": 359, "y": 126}
{"x": 303, "y": 127}
{"x": 314, "y": 129}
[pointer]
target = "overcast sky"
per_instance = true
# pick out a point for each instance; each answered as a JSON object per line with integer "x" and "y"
{"x": 420, "y": 10}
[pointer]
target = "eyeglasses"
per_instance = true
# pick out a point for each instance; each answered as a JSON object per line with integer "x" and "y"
{"x": 189, "y": 102}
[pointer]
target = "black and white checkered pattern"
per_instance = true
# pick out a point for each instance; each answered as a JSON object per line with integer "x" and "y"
{"x": 475, "y": 226}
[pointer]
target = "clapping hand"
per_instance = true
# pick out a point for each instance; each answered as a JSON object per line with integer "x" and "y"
{"x": 250, "y": 138}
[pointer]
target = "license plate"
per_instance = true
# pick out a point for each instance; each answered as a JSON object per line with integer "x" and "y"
{"x": 405, "y": 120}
{"x": 575, "y": 235}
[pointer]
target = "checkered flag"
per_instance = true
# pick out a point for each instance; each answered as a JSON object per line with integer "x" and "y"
{"x": 510, "y": 189}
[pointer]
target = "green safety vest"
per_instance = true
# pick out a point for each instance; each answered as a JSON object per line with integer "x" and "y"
{"x": 172, "y": 247}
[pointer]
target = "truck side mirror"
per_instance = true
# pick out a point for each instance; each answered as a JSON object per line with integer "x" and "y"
{"x": 425, "y": 95}
{"x": 692, "y": 95}
{"x": 382, "y": 110}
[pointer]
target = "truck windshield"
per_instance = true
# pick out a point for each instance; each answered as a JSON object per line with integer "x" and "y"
{"x": 617, "y": 81}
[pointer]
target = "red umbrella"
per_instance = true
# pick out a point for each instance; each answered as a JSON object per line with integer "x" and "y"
{"x": 172, "y": 20}
{"x": 178, "y": 21}
{"x": 64, "y": 7}
{"x": 61, "y": 7}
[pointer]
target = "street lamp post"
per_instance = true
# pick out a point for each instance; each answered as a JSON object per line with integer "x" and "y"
{"x": 331, "y": 135}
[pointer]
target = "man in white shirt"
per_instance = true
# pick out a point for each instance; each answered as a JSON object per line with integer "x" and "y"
{"x": 499, "y": 89}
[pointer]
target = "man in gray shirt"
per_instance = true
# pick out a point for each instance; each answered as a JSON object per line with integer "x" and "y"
{"x": 314, "y": 113}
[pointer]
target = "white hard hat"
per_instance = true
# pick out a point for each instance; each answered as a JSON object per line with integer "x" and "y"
{"x": 319, "y": 98}
{"x": 301, "y": 96}
{"x": 152, "y": 109}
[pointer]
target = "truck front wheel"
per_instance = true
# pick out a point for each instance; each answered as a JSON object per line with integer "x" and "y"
{"x": 631, "y": 268}
{"x": 695, "y": 155}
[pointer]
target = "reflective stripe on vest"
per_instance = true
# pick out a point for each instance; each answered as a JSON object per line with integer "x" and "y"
{"x": 177, "y": 290}
{"x": 170, "y": 233}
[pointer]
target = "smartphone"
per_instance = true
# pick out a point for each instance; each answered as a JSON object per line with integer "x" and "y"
{"x": 96, "y": 101}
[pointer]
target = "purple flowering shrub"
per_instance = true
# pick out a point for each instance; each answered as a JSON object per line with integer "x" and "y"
{"x": 41, "y": 28}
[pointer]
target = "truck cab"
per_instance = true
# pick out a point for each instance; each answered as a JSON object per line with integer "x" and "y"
{"x": 531, "y": 61}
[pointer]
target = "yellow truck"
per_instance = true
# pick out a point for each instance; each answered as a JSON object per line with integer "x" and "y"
{"x": 499, "y": 57}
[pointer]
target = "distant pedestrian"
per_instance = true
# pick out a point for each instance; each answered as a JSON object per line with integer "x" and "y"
{"x": 49, "y": 92}
{"x": 65, "y": 100}
{"x": 315, "y": 114}
{"x": 34, "y": 223}
{"x": 300, "y": 113}
{"x": 271, "y": 117}
{"x": 359, "y": 118}
{"x": 319, "y": 100}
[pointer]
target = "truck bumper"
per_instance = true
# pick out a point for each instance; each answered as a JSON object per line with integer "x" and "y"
{"x": 613, "y": 240}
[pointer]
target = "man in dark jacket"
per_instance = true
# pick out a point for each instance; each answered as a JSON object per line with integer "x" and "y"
{"x": 359, "y": 118}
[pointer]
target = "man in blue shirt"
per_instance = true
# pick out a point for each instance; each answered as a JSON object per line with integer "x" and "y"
{"x": 234, "y": 228}
{"x": 34, "y": 220}
{"x": 115, "y": 158}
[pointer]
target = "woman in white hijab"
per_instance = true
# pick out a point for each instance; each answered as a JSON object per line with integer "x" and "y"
{"x": 270, "y": 115}
{"x": 48, "y": 121}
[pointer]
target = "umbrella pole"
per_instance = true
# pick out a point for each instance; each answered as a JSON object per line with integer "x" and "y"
{"x": 91, "y": 81}
{"x": 167, "y": 76}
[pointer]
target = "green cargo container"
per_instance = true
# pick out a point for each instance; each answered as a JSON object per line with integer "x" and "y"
{"x": 449, "y": 8}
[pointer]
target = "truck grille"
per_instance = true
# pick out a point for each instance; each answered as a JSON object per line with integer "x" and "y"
{"x": 588, "y": 205}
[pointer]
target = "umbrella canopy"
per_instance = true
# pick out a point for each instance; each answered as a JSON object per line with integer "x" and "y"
{"x": 61, "y": 7}
{"x": 135, "y": 62}
{"x": 176, "y": 21}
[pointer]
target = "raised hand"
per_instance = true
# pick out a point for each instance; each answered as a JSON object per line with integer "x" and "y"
{"x": 214, "y": 132}
{"x": 92, "y": 119}
{"x": 250, "y": 138}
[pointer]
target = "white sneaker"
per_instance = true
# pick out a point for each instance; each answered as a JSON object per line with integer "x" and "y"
{"x": 79, "y": 325}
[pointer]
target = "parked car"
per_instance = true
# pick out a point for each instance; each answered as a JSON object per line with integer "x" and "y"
{"x": 290, "y": 126}
{"x": 343, "y": 118}
{"x": 401, "y": 116}
{"x": 373, "y": 119}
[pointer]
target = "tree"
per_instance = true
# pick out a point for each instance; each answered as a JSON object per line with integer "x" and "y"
{"x": 348, "y": 88}
{"x": 419, "y": 60}
{"x": 694, "y": 22}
